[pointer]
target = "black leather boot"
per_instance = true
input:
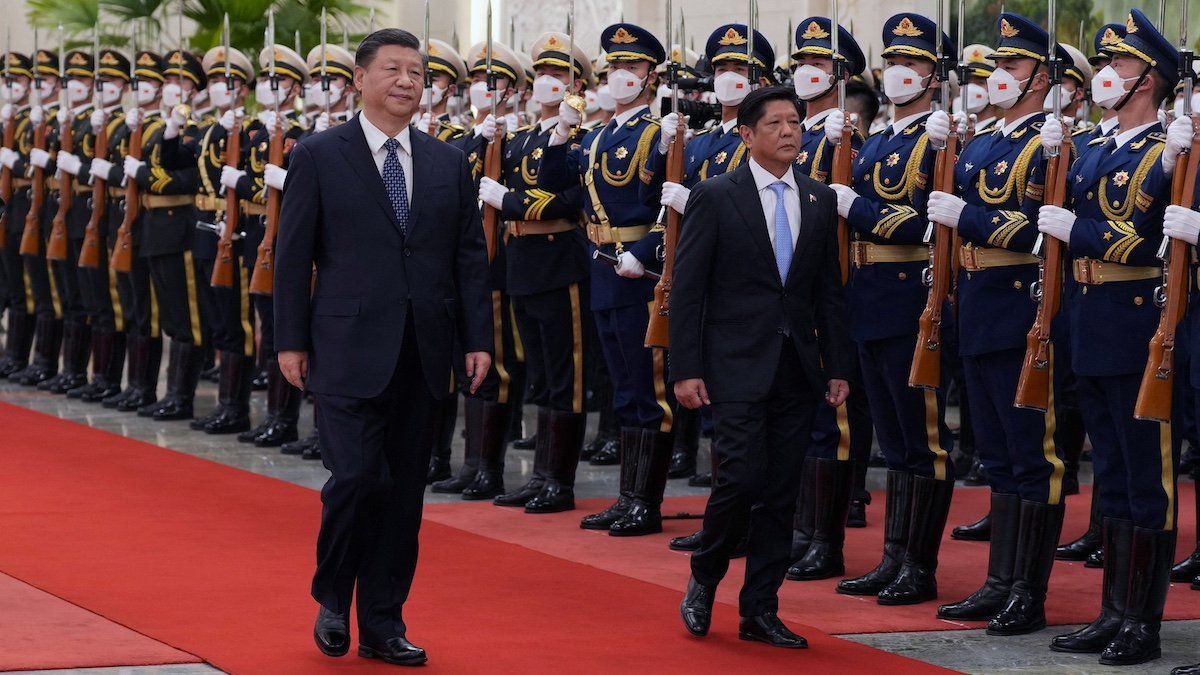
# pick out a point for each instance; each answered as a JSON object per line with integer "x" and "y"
{"x": 985, "y": 603}
{"x": 856, "y": 517}
{"x": 129, "y": 366}
{"x": 645, "y": 510}
{"x": 1069, "y": 434}
{"x": 171, "y": 399}
{"x": 312, "y": 450}
{"x": 282, "y": 427}
{"x": 527, "y": 443}
{"x": 976, "y": 476}
{"x": 1081, "y": 548}
{"x": 630, "y": 438}
{"x": 439, "y": 462}
{"x": 1189, "y": 568}
{"x": 823, "y": 559}
{"x": 76, "y": 347}
{"x": 68, "y": 336}
{"x": 896, "y": 519}
{"x": 916, "y": 581}
{"x": 541, "y": 455}
{"x": 473, "y": 428}
{"x": 100, "y": 345}
{"x": 608, "y": 454}
{"x": 489, "y": 478}
{"x": 21, "y": 328}
{"x": 186, "y": 361}
{"x": 224, "y": 397}
{"x": 608, "y": 431}
{"x": 980, "y": 530}
{"x": 1137, "y": 640}
{"x": 234, "y": 381}
{"x": 46, "y": 350}
{"x": 145, "y": 392}
{"x": 1114, "y": 590}
{"x": 1025, "y": 610}
{"x": 566, "y": 441}
{"x": 804, "y": 520}
{"x": 687, "y": 443}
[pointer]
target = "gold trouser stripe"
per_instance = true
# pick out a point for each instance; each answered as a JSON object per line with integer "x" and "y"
{"x": 193, "y": 300}
{"x": 498, "y": 337}
{"x": 518, "y": 346}
{"x": 576, "y": 350}
{"x": 843, "y": 424}
{"x": 1167, "y": 460}
{"x": 246, "y": 311}
{"x": 54, "y": 299}
{"x": 933, "y": 438}
{"x": 453, "y": 384}
{"x": 115, "y": 298}
{"x": 30, "y": 306}
{"x": 1054, "y": 494}
{"x": 154, "y": 329}
{"x": 660, "y": 389}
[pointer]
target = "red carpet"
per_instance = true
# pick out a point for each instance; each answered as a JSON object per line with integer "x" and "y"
{"x": 215, "y": 562}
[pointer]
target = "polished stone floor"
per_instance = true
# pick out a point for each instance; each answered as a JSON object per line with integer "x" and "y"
{"x": 965, "y": 651}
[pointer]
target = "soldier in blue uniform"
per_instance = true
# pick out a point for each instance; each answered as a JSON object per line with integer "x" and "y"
{"x": 21, "y": 316}
{"x": 1113, "y": 225}
{"x": 448, "y": 72}
{"x": 884, "y": 208}
{"x": 612, "y": 163}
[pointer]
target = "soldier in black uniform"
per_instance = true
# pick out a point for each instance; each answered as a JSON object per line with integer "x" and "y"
{"x": 21, "y": 316}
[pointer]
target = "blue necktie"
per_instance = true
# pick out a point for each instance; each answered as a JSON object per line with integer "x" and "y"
{"x": 783, "y": 232}
{"x": 393, "y": 180}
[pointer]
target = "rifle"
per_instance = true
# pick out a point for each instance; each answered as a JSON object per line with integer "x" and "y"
{"x": 10, "y": 142}
{"x": 31, "y": 236}
{"x": 842, "y": 154}
{"x": 610, "y": 259}
{"x": 926, "y": 370}
{"x": 89, "y": 255}
{"x": 222, "y": 274}
{"x": 56, "y": 249}
{"x": 658, "y": 330}
{"x": 262, "y": 281}
{"x": 492, "y": 166}
{"x": 1155, "y": 395}
{"x": 1033, "y": 387}
{"x": 122, "y": 255}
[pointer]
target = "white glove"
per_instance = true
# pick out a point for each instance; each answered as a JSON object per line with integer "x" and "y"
{"x": 511, "y": 122}
{"x": 487, "y": 128}
{"x": 960, "y": 122}
{"x": 99, "y": 120}
{"x": 230, "y": 177}
{"x": 227, "y": 120}
{"x": 675, "y": 196}
{"x": 845, "y": 198}
{"x": 944, "y": 208}
{"x": 37, "y": 115}
{"x": 1056, "y": 222}
{"x": 1181, "y": 223}
{"x": 6, "y": 112}
{"x": 938, "y": 128}
{"x": 274, "y": 176}
{"x": 321, "y": 123}
{"x": 100, "y": 168}
{"x": 568, "y": 117}
{"x": 267, "y": 119}
{"x": 8, "y": 157}
{"x": 175, "y": 123}
{"x": 629, "y": 266}
{"x": 69, "y": 163}
{"x": 492, "y": 193}
{"x": 62, "y": 116}
{"x": 1179, "y": 138}
{"x": 133, "y": 117}
{"x": 39, "y": 158}
{"x": 423, "y": 123}
{"x": 1052, "y": 134}
{"x": 132, "y": 166}
{"x": 670, "y": 126}
{"x": 835, "y": 125}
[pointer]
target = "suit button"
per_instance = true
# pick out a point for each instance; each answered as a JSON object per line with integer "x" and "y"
{"x": 1085, "y": 290}
{"x": 779, "y": 330}
{"x": 407, "y": 252}
{"x": 1017, "y": 285}
{"x": 1138, "y": 301}
{"x": 549, "y": 237}
{"x": 902, "y": 276}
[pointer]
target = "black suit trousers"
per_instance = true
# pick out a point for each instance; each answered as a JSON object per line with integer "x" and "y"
{"x": 377, "y": 450}
{"x": 759, "y": 448}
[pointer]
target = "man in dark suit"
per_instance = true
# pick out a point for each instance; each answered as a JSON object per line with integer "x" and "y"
{"x": 400, "y": 277}
{"x": 757, "y": 332}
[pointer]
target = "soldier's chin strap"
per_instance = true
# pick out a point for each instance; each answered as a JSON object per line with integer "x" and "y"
{"x": 1028, "y": 83}
{"x": 1129, "y": 94}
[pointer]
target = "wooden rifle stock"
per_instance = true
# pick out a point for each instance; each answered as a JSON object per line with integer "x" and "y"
{"x": 6, "y": 177}
{"x": 1154, "y": 396}
{"x": 31, "y": 236}
{"x": 89, "y": 255}
{"x": 262, "y": 282}
{"x": 841, "y": 174}
{"x": 1034, "y": 384}
{"x": 658, "y": 330}
{"x": 122, "y": 255}
{"x": 56, "y": 249}
{"x": 926, "y": 370}
{"x": 492, "y": 168}
{"x": 222, "y": 274}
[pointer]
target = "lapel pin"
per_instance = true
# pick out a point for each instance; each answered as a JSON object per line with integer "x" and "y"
{"x": 812, "y": 198}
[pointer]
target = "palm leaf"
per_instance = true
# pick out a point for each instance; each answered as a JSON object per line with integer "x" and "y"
{"x": 77, "y": 17}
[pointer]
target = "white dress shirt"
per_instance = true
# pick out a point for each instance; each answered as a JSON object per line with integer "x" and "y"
{"x": 901, "y": 124}
{"x": 375, "y": 141}
{"x": 791, "y": 199}
{"x": 1010, "y": 127}
{"x": 624, "y": 117}
{"x": 813, "y": 120}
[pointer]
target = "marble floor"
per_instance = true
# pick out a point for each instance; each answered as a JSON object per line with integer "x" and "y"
{"x": 965, "y": 651}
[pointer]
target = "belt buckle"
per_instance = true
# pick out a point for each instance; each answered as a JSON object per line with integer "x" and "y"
{"x": 1086, "y": 272}
{"x": 514, "y": 228}
{"x": 858, "y": 253}
{"x": 969, "y": 260}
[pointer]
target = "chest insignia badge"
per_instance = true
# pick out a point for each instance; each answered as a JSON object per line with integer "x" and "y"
{"x": 1121, "y": 179}
{"x": 1001, "y": 167}
{"x": 536, "y": 154}
{"x": 721, "y": 157}
{"x": 802, "y": 157}
{"x": 622, "y": 152}
{"x": 893, "y": 159}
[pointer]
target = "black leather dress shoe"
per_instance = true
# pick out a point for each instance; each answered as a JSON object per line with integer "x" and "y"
{"x": 332, "y": 632}
{"x": 688, "y": 543}
{"x": 980, "y": 530}
{"x": 397, "y": 651}
{"x": 608, "y": 454}
{"x": 768, "y": 628}
{"x": 696, "y": 608}
{"x": 700, "y": 480}
{"x": 1187, "y": 670}
{"x": 527, "y": 443}
{"x": 1095, "y": 561}
{"x": 857, "y": 515}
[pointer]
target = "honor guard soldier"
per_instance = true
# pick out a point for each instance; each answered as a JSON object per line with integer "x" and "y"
{"x": 1112, "y": 221}
{"x": 231, "y": 321}
{"x": 612, "y": 163}
{"x": 973, "y": 97}
{"x": 448, "y": 73}
{"x": 885, "y": 210}
{"x": 22, "y": 317}
{"x": 1108, "y": 36}
{"x": 339, "y": 100}
{"x": 547, "y": 281}
{"x": 291, "y": 73}
{"x": 995, "y": 175}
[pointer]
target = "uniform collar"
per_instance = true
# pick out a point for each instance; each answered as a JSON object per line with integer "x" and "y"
{"x": 1012, "y": 126}
{"x": 1124, "y": 137}
{"x": 376, "y": 138}
{"x": 900, "y": 125}
{"x": 763, "y": 178}
{"x": 548, "y": 123}
{"x": 1106, "y": 126}
{"x": 813, "y": 120}
{"x": 726, "y": 127}
{"x": 628, "y": 115}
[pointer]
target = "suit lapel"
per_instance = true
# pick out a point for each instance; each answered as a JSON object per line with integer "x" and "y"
{"x": 746, "y": 194}
{"x": 358, "y": 155}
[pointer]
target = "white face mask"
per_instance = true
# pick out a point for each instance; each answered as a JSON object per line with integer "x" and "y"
{"x": 1064, "y": 99}
{"x": 902, "y": 84}
{"x": 110, "y": 93}
{"x": 811, "y": 82}
{"x": 172, "y": 95}
{"x": 219, "y": 93}
{"x": 625, "y": 86}
{"x": 605, "y": 99}
{"x": 14, "y": 93}
{"x": 199, "y": 98}
{"x": 77, "y": 91}
{"x": 146, "y": 93}
{"x": 264, "y": 95}
{"x": 1108, "y": 87}
{"x": 46, "y": 88}
{"x": 592, "y": 103}
{"x": 481, "y": 98}
{"x": 1195, "y": 105}
{"x": 731, "y": 88}
{"x": 438, "y": 94}
{"x": 548, "y": 90}
{"x": 1004, "y": 90}
{"x": 976, "y": 97}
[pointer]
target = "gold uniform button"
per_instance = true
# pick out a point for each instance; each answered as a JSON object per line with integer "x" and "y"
{"x": 1017, "y": 285}
{"x": 549, "y": 237}
{"x": 1090, "y": 194}
{"x": 1138, "y": 301}
{"x": 968, "y": 275}
{"x": 1085, "y": 290}
{"x": 902, "y": 276}
{"x": 1116, "y": 203}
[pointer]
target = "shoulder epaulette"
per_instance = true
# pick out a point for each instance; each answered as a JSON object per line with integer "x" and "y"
{"x": 649, "y": 118}
{"x": 1080, "y": 131}
{"x": 1157, "y": 137}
